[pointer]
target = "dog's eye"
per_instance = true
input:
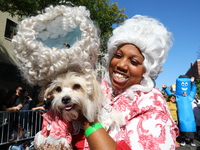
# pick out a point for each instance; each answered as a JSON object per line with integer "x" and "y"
{"x": 76, "y": 86}
{"x": 58, "y": 89}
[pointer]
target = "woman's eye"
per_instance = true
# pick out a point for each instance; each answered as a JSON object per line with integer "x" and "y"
{"x": 133, "y": 62}
{"x": 117, "y": 56}
{"x": 58, "y": 89}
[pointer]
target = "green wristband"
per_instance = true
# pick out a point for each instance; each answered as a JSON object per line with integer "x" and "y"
{"x": 92, "y": 128}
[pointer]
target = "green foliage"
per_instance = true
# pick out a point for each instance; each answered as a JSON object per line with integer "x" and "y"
{"x": 104, "y": 14}
{"x": 198, "y": 86}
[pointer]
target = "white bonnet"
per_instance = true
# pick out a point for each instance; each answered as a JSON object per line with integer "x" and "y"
{"x": 39, "y": 43}
{"x": 153, "y": 40}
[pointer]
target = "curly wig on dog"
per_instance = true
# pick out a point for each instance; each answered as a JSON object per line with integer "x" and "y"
{"x": 47, "y": 44}
{"x": 57, "y": 50}
{"x": 152, "y": 39}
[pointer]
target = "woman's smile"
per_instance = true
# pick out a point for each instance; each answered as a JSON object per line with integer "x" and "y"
{"x": 117, "y": 77}
{"x": 126, "y": 67}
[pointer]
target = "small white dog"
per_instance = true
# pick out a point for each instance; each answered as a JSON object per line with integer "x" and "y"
{"x": 70, "y": 97}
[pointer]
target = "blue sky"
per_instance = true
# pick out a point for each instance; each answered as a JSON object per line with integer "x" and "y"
{"x": 182, "y": 18}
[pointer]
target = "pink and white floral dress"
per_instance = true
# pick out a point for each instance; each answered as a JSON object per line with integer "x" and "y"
{"x": 149, "y": 125}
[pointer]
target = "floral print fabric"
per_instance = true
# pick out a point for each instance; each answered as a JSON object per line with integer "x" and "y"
{"x": 149, "y": 124}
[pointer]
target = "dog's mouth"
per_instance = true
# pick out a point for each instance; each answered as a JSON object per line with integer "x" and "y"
{"x": 70, "y": 107}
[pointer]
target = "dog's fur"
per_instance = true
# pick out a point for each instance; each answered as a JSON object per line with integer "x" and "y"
{"x": 70, "y": 96}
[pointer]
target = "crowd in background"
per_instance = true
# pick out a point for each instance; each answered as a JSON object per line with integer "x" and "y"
{"x": 16, "y": 102}
{"x": 18, "y": 99}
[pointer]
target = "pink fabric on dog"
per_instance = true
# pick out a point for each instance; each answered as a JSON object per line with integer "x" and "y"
{"x": 56, "y": 127}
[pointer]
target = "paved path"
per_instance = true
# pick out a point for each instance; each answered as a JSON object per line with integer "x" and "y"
{"x": 188, "y": 146}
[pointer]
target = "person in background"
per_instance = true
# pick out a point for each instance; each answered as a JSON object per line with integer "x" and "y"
{"x": 10, "y": 106}
{"x": 171, "y": 102}
{"x": 196, "y": 110}
{"x": 10, "y": 101}
{"x": 136, "y": 51}
{"x": 189, "y": 135}
{"x": 18, "y": 90}
{"x": 36, "y": 105}
{"x": 24, "y": 99}
{"x": 8, "y": 118}
{"x": 18, "y": 131}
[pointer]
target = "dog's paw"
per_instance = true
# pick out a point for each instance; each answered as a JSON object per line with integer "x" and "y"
{"x": 112, "y": 120}
{"x": 117, "y": 120}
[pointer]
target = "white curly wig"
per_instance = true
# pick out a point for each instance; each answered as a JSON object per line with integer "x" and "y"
{"x": 153, "y": 40}
{"x": 39, "y": 43}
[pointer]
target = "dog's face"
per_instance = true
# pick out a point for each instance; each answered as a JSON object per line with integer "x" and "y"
{"x": 69, "y": 92}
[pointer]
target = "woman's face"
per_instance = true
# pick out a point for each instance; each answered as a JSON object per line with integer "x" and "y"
{"x": 126, "y": 68}
{"x": 173, "y": 99}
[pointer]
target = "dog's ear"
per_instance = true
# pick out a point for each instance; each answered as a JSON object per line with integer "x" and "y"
{"x": 95, "y": 101}
{"x": 97, "y": 93}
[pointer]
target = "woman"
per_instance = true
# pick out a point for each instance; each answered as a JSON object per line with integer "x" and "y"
{"x": 23, "y": 100}
{"x": 171, "y": 102}
{"x": 10, "y": 101}
{"x": 18, "y": 131}
{"x": 136, "y": 52}
{"x": 196, "y": 110}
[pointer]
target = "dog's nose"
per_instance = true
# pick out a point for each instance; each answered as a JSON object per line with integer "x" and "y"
{"x": 66, "y": 99}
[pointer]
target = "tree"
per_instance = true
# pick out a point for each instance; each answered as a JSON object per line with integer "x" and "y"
{"x": 104, "y": 14}
{"x": 198, "y": 86}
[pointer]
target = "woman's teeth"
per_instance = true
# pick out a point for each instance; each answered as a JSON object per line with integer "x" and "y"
{"x": 118, "y": 75}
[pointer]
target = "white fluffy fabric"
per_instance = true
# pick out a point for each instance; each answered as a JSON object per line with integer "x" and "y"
{"x": 47, "y": 143}
{"x": 39, "y": 60}
{"x": 153, "y": 40}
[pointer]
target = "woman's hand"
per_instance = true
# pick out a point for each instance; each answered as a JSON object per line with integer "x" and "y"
{"x": 38, "y": 108}
{"x": 21, "y": 133}
{"x": 99, "y": 139}
{"x": 18, "y": 107}
{"x": 163, "y": 86}
{"x": 192, "y": 79}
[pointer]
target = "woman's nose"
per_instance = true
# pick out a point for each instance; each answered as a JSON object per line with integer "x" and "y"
{"x": 122, "y": 65}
